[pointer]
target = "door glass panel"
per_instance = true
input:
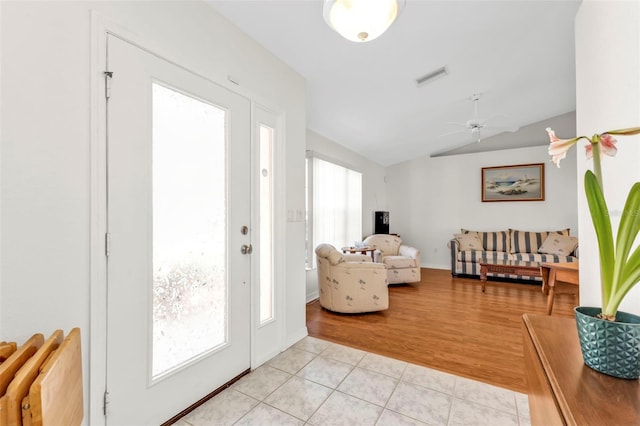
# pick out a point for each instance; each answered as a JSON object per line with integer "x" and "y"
{"x": 266, "y": 221}
{"x": 189, "y": 229}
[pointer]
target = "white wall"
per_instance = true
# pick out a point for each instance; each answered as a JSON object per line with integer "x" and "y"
{"x": 46, "y": 138}
{"x": 608, "y": 97}
{"x": 430, "y": 199}
{"x": 373, "y": 188}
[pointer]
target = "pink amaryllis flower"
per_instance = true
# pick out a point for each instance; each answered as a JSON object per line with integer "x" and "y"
{"x": 558, "y": 147}
{"x": 607, "y": 144}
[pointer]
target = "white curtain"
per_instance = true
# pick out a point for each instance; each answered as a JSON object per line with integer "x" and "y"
{"x": 337, "y": 204}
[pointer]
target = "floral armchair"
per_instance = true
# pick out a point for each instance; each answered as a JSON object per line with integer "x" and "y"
{"x": 402, "y": 261}
{"x": 350, "y": 283}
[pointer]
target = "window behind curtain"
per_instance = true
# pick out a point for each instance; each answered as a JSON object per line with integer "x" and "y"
{"x": 335, "y": 201}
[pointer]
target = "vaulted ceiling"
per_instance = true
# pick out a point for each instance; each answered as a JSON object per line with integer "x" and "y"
{"x": 519, "y": 55}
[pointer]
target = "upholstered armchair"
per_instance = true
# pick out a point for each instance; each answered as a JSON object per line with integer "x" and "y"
{"x": 402, "y": 261}
{"x": 350, "y": 283}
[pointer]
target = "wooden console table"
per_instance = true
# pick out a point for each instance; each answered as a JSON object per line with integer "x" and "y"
{"x": 562, "y": 389}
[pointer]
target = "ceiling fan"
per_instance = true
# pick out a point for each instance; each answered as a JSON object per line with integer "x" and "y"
{"x": 475, "y": 125}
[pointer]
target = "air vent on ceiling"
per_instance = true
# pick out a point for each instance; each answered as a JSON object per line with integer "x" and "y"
{"x": 432, "y": 76}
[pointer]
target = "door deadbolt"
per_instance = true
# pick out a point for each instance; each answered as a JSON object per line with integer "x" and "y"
{"x": 244, "y": 230}
{"x": 246, "y": 249}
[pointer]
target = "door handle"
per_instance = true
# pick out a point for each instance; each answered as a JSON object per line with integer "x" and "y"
{"x": 246, "y": 249}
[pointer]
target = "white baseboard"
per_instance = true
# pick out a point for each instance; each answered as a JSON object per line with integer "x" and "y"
{"x": 294, "y": 338}
{"x": 312, "y": 296}
{"x": 264, "y": 358}
{"x": 436, "y": 266}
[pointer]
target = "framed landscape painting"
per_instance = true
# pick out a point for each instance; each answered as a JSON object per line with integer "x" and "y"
{"x": 522, "y": 182}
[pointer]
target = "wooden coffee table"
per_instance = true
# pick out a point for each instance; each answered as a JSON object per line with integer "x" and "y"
{"x": 511, "y": 267}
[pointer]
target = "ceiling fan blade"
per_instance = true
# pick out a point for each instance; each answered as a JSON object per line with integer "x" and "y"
{"x": 454, "y": 123}
{"x": 452, "y": 133}
{"x": 476, "y": 124}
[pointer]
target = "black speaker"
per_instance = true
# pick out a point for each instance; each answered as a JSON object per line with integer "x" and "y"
{"x": 380, "y": 222}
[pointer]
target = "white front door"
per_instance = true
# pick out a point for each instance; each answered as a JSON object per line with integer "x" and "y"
{"x": 178, "y": 313}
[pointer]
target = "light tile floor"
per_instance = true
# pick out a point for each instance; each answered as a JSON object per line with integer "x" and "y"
{"x": 321, "y": 383}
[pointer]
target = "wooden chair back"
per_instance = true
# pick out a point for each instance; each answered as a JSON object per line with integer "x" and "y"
{"x": 19, "y": 387}
{"x": 6, "y": 350}
{"x": 56, "y": 396}
{"x": 10, "y": 367}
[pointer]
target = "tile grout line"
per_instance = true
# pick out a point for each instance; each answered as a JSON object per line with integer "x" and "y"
{"x": 333, "y": 390}
{"x": 399, "y": 380}
{"x": 521, "y": 419}
{"x": 315, "y": 356}
{"x": 263, "y": 400}
{"x": 391, "y": 394}
{"x": 278, "y": 387}
{"x": 326, "y": 399}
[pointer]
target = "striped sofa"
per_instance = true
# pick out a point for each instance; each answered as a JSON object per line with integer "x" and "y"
{"x": 510, "y": 244}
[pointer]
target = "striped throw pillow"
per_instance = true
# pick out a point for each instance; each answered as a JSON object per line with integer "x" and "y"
{"x": 528, "y": 241}
{"x": 492, "y": 241}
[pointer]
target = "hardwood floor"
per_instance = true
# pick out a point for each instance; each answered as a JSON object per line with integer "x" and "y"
{"x": 447, "y": 324}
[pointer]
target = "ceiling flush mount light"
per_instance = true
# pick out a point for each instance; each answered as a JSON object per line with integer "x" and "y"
{"x": 361, "y": 20}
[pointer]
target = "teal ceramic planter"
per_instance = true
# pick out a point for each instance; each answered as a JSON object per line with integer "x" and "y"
{"x": 610, "y": 347}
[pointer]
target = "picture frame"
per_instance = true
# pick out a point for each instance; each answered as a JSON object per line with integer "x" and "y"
{"x": 520, "y": 182}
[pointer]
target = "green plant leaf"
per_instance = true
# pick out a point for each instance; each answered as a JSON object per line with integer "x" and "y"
{"x": 630, "y": 277}
{"x": 632, "y": 265}
{"x": 602, "y": 225}
{"x": 627, "y": 232}
{"x": 626, "y": 132}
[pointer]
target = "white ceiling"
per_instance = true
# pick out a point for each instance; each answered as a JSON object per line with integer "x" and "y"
{"x": 518, "y": 54}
